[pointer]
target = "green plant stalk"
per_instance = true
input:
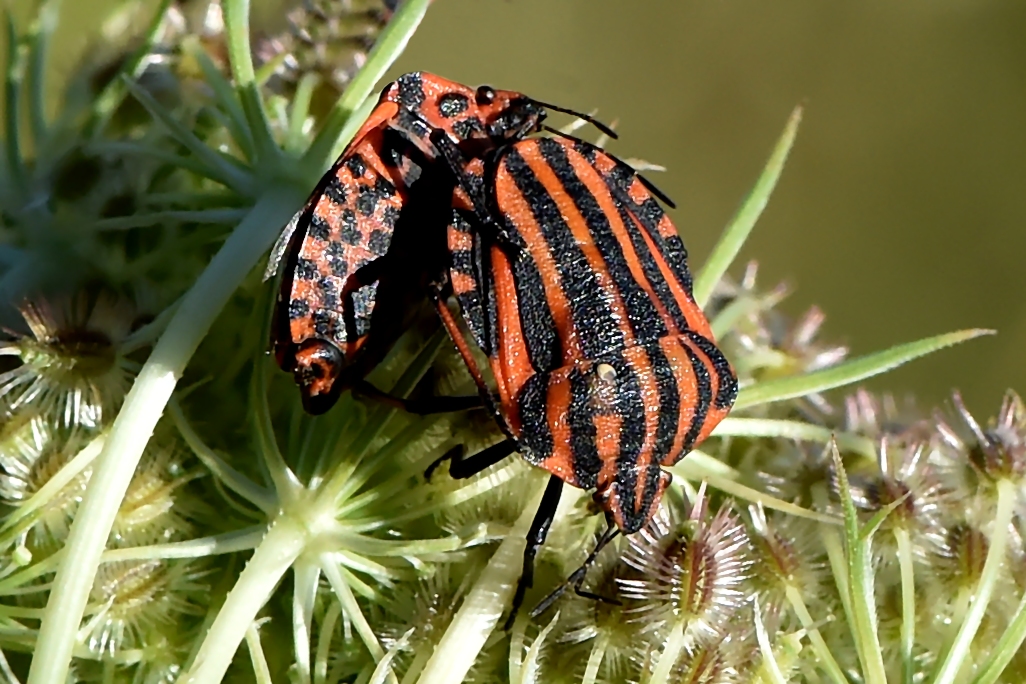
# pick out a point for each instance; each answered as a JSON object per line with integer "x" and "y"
{"x": 819, "y": 646}
{"x": 598, "y": 652}
{"x": 135, "y": 423}
{"x": 671, "y": 652}
{"x": 1006, "y": 494}
{"x": 769, "y": 660}
{"x": 261, "y": 672}
{"x": 477, "y": 616}
{"x": 908, "y": 602}
{"x": 861, "y": 581}
{"x": 793, "y": 429}
{"x": 285, "y": 540}
{"x": 1006, "y": 648}
{"x": 740, "y": 227}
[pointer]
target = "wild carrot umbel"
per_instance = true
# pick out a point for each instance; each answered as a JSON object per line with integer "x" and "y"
{"x": 166, "y": 498}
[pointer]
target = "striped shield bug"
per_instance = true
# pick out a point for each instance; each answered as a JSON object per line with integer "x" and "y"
{"x": 345, "y": 294}
{"x": 574, "y": 283}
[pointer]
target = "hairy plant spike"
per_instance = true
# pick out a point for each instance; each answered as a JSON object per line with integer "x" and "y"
{"x": 692, "y": 572}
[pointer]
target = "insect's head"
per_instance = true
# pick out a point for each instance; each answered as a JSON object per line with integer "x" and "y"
{"x": 316, "y": 366}
{"x": 606, "y": 424}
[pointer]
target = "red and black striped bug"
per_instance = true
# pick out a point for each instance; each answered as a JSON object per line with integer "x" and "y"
{"x": 341, "y": 303}
{"x": 574, "y": 283}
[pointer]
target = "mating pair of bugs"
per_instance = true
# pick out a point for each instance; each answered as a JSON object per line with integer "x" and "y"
{"x": 568, "y": 274}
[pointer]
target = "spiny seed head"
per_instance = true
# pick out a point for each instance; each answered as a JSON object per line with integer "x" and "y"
{"x": 690, "y": 572}
{"x": 154, "y": 509}
{"x": 326, "y": 37}
{"x": 31, "y": 454}
{"x": 976, "y": 457}
{"x": 141, "y": 598}
{"x": 426, "y": 606}
{"x": 720, "y": 662}
{"x": 765, "y": 344}
{"x": 905, "y": 478}
{"x": 70, "y": 367}
{"x": 586, "y": 624}
{"x": 786, "y": 553}
{"x": 881, "y": 416}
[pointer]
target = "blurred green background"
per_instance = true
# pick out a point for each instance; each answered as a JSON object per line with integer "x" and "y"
{"x": 902, "y": 212}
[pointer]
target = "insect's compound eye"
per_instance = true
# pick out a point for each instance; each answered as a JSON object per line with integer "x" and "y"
{"x": 485, "y": 95}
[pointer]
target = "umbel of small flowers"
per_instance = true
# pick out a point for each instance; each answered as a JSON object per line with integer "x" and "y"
{"x": 147, "y": 534}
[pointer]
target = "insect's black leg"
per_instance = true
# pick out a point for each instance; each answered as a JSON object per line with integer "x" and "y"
{"x": 462, "y": 467}
{"x": 420, "y": 407}
{"x": 576, "y": 578}
{"x": 535, "y": 538}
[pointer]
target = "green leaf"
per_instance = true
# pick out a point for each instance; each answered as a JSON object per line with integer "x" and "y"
{"x": 850, "y": 371}
{"x": 107, "y": 102}
{"x": 741, "y": 225}
{"x": 12, "y": 103}
{"x": 240, "y": 59}
{"x": 695, "y": 473}
{"x": 793, "y": 429}
{"x": 216, "y": 166}
{"x": 387, "y": 49}
{"x": 224, "y": 92}
{"x": 222, "y": 216}
{"x": 861, "y": 580}
{"x": 39, "y": 41}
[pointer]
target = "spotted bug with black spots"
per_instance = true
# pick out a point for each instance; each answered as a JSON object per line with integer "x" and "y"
{"x": 331, "y": 324}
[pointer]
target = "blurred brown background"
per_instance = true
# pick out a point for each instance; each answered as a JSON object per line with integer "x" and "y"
{"x": 902, "y": 212}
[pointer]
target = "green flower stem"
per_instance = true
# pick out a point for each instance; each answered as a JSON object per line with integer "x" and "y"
{"x": 1006, "y": 493}
{"x": 285, "y": 540}
{"x": 246, "y": 539}
{"x": 826, "y": 658}
{"x": 1006, "y": 648}
{"x": 135, "y": 423}
{"x": 487, "y": 599}
{"x": 598, "y": 652}
{"x": 261, "y": 672}
{"x": 793, "y": 429}
{"x": 769, "y": 660}
{"x": 351, "y": 609}
{"x": 903, "y": 541}
{"x": 671, "y": 652}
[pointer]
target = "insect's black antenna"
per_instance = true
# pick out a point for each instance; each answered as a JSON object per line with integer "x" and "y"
{"x": 580, "y": 115}
{"x": 649, "y": 185}
{"x": 656, "y": 191}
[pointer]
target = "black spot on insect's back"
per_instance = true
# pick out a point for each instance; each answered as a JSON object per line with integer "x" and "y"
{"x": 367, "y": 202}
{"x": 306, "y": 269}
{"x": 379, "y": 241}
{"x": 335, "y": 191}
{"x": 335, "y": 254}
{"x": 452, "y": 105}
{"x": 350, "y": 232}
{"x": 389, "y": 216}
{"x": 329, "y": 293}
{"x": 411, "y": 90}
{"x": 384, "y": 187}
{"x": 356, "y": 165}
{"x": 299, "y": 308}
{"x": 462, "y": 261}
{"x": 324, "y": 324}
{"x": 466, "y": 128}
{"x": 319, "y": 228}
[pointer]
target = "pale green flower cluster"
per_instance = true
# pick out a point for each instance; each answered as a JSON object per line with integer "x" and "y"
{"x": 170, "y": 513}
